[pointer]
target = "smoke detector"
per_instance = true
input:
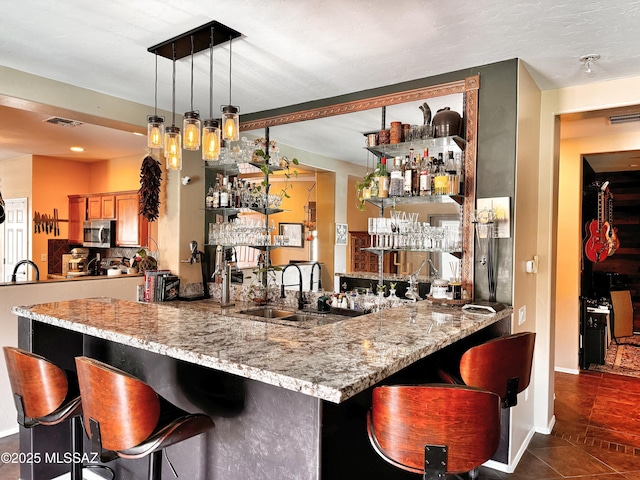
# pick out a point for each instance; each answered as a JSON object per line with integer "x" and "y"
{"x": 587, "y": 60}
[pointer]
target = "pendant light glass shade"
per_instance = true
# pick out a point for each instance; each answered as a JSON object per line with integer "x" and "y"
{"x": 191, "y": 131}
{"x": 210, "y": 140}
{"x": 155, "y": 132}
{"x": 230, "y": 123}
{"x": 173, "y": 148}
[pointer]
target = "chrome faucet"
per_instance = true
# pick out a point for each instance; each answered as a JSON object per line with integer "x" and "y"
{"x": 319, "y": 277}
{"x": 412, "y": 293}
{"x": 300, "y": 294}
{"x": 23, "y": 262}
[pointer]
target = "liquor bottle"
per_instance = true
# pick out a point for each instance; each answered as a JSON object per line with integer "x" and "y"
{"x": 408, "y": 178}
{"x": 440, "y": 178}
{"x": 396, "y": 179}
{"x": 425, "y": 177}
{"x": 209, "y": 198}
{"x": 453, "y": 182}
{"x": 224, "y": 194}
{"x": 375, "y": 183}
{"x": 383, "y": 179}
{"x": 415, "y": 176}
{"x": 216, "y": 195}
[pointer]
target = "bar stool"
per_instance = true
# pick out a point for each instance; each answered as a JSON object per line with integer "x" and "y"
{"x": 434, "y": 429}
{"x": 501, "y": 365}
{"x": 45, "y": 395}
{"x": 126, "y": 418}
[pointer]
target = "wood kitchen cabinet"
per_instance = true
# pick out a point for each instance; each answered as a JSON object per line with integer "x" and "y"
{"x": 77, "y": 216}
{"x": 101, "y": 207}
{"x": 132, "y": 229}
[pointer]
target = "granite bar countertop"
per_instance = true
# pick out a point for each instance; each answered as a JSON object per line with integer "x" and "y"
{"x": 328, "y": 360}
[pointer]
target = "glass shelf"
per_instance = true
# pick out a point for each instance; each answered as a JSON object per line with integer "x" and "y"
{"x": 224, "y": 211}
{"x": 272, "y": 168}
{"x": 392, "y": 201}
{"x": 266, "y": 211}
{"x": 257, "y": 247}
{"x": 382, "y": 251}
{"x": 226, "y": 169}
{"x": 395, "y": 149}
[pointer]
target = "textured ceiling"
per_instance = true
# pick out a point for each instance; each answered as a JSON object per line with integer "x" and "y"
{"x": 296, "y": 51}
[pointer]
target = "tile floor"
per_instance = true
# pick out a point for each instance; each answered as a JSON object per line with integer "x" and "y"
{"x": 596, "y": 436}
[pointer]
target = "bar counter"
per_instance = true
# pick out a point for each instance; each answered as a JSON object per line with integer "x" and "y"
{"x": 331, "y": 362}
{"x": 295, "y": 396}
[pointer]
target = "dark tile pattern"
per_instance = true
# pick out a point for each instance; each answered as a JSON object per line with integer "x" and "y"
{"x": 55, "y": 248}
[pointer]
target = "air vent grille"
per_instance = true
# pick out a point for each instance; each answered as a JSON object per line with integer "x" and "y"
{"x": 629, "y": 117}
{"x": 63, "y": 122}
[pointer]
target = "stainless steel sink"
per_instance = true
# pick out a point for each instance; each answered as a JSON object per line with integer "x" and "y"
{"x": 267, "y": 312}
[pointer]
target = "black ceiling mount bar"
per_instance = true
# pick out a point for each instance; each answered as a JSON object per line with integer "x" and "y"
{"x": 201, "y": 40}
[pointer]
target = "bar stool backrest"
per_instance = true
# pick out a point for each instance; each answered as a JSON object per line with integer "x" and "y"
{"x": 405, "y": 418}
{"x": 491, "y": 365}
{"x": 126, "y": 409}
{"x": 41, "y": 385}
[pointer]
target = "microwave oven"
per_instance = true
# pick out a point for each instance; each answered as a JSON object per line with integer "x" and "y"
{"x": 99, "y": 233}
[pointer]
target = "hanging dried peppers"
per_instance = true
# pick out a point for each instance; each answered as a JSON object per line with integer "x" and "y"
{"x": 150, "y": 179}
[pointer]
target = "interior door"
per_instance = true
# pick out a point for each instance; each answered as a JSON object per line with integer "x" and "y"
{"x": 16, "y": 237}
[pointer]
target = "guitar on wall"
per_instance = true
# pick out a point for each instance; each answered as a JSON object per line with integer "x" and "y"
{"x": 598, "y": 243}
{"x": 612, "y": 237}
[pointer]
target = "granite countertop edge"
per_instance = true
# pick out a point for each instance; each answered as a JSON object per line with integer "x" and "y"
{"x": 330, "y": 362}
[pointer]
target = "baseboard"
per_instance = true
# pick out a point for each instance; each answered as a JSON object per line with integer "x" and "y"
{"x": 9, "y": 432}
{"x": 87, "y": 474}
{"x": 549, "y": 429}
{"x": 567, "y": 370}
{"x": 510, "y": 468}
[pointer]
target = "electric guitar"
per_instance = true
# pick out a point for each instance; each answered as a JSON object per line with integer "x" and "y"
{"x": 596, "y": 247}
{"x": 612, "y": 234}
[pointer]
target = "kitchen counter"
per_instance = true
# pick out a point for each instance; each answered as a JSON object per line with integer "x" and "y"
{"x": 289, "y": 401}
{"x": 331, "y": 362}
{"x": 54, "y": 278}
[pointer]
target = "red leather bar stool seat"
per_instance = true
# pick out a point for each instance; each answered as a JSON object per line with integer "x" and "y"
{"x": 125, "y": 417}
{"x": 434, "y": 429}
{"x": 501, "y": 365}
{"x": 44, "y": 394}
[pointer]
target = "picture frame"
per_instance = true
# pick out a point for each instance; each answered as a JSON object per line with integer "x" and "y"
{"x": 294, "y": 231}
{"x": 342, "y": 230}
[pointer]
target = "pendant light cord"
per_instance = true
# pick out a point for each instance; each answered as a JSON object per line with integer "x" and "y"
{"x": 230, "y": 57}
{"x": 211, "y": 74}
{"x": 155, "y": 96}
{"x": 192, "y": 73}
{"x": 173, "y": 95}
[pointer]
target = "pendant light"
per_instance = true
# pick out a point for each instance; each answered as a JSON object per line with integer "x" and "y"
{"x": 210, "y": 129}
{"x": 230, "y": 117}
{"x": 191, "y": 122}
{"x": 172, "y": 138}
{"x": 155, "y": 124}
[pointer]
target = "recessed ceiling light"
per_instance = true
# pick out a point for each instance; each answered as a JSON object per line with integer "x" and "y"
{"x": 77, "y": 149}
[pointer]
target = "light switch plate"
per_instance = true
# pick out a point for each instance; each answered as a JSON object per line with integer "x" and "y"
{"x": 43, "y": 257}
{"x": 522, "y": 314}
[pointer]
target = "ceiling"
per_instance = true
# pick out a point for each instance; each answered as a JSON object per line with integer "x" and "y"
{"x": 295, "y": 51}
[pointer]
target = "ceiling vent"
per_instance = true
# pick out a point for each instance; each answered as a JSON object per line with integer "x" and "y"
{"x": 629, "y": 117}
{"x": 63, "y": 122}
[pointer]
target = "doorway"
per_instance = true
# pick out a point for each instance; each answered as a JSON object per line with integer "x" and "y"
{"x": 15, "y": 239}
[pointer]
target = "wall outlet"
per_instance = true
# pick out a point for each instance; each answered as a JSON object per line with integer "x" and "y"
{"x": 43, "y": 257}
{"x": 522, "y": 314}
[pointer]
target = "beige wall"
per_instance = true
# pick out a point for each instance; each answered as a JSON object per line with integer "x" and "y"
{"x": 595, "y": 96}
{"x": 525, "y": 297}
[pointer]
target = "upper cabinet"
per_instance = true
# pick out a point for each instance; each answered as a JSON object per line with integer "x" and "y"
{"x": 132, "y": 229}
{"x": 77, "y": 216}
